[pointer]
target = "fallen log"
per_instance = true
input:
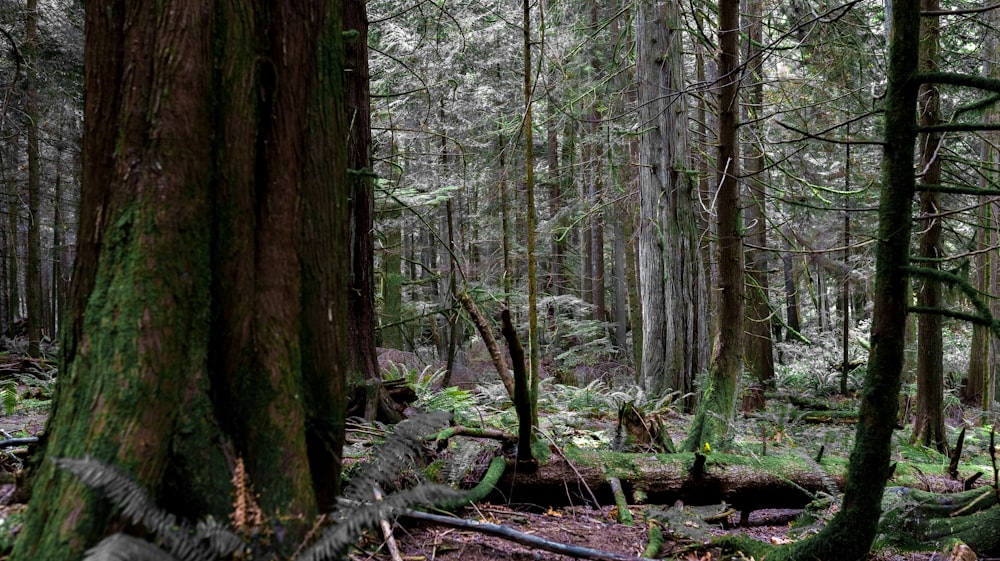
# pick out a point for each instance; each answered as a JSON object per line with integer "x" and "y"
{"x": 746, "y": 483}
{"x": 914, "y": 519}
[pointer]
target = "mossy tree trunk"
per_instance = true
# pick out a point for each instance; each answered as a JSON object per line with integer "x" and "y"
{"x": 715, "y": 410}
{"x": 209, "y": 293}
{"x": 851, "y": 532}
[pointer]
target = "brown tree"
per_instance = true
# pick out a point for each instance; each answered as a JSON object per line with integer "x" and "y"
{"x": 759, "y": 355}
{"x": 718, "y": 397}
{"x": 207, "y": 317}
{"x": 928, "y": 424}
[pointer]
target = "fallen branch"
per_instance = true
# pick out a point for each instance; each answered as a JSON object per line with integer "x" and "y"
{"x": 520, "y": 537}
{"x": 474, "y": 432}
{"x": 18, "y": 441}
{"x": 624, "y": 514}
{"x": 390, "y": 540}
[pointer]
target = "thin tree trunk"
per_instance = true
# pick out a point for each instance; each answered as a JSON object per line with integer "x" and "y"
{"x": 33, "y": 276}
{"x": 56, "y": 300}
{"x": 534, "y": 353}
{"x": 759, "y": 354}
{"x": 13, "y": 251}
{"x": 556, "y": 241}
{"x": 850, "y": 533}
{"x": 361, "y": 297}
{"x": 975, "y": 391}
{"x": 845, "y": 287}
{"x": 928, "y": 424}
{"x": 715, "y": 410}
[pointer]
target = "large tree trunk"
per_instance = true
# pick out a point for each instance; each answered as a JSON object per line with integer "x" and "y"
{"x": 672, "y": 289}
{"x": 202, "y": 308}
{"x": 851, "y": 532}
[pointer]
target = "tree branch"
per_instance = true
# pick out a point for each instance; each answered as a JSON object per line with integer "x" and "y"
{"x": 981, "y": 9}
{"x": 958, "y": 79}
{"x": 520, "y": 537}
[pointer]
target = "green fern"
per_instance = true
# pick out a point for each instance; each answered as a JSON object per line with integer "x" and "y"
{"x": 9, "y": 396}
{"x": 208, "y": 539}
{"x": 358, "y": 511}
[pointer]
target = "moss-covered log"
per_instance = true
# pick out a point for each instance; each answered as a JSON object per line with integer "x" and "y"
{"x": 665, "y": 478}
{"x": 914, "y": 519}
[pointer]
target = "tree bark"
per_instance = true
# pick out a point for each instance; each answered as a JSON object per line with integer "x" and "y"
{"x": 975, "y": 391}
{"x": 534, "y": 353}
{"x": 715, "y": 410}
{"x": 177, "y": 362}
{"x": 671, "y": 277}
{"x": 361, "y": 297}
{"x": 928, "y": 423}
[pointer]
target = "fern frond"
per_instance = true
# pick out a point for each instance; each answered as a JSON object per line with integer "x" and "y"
{"x": 397, "y": 454}
{"x": 354, "y": 518}
{"x": 9, "y": 397}
{"x": 180, "y": 540}
{"x": 123, "y": 547}
{"x": 219, "y": 538}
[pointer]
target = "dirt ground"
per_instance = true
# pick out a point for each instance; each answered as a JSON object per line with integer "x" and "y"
{"x": 586, "y": 527}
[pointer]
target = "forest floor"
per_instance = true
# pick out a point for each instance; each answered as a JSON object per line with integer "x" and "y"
{"x": 576, "y": 414}
{"x": 584, "y": 527}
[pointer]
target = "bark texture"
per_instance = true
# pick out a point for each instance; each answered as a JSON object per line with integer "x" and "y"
{"x": 212, "y": 135}
{"x": 671, "y": 275}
